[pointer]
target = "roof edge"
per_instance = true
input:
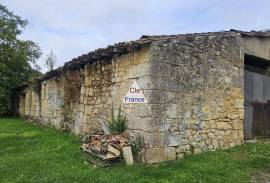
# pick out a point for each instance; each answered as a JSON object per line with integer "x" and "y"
{"x": 253, "y": 33}
{"x": 105, "y": 54}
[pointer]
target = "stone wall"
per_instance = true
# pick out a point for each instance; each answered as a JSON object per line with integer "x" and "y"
{"x": 193, "y": 85}
{"x": 81, "y": 100}
{"x": 196, "y": 97}
{"x": 52, "y": 102}
{"x": 256, "y": 46}
{"x": 29, "y": 103}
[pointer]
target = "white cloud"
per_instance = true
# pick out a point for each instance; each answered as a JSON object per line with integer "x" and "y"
{"x": 72, "y": 28}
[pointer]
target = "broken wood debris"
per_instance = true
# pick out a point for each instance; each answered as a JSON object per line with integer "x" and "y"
{"x": 107, "y": 147}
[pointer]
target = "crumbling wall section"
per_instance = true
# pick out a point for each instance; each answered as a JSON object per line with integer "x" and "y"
{"x": 52, "y": 100}
{"x": 21, "y": 104}
{"x": 29, "y": 103}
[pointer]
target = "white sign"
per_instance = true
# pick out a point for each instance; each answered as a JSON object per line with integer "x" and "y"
{"x": 134, "y": 95}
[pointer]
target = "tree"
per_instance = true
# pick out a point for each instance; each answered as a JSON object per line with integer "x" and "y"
{"x": 17, "y": 57}
{"x": 50, "y": 61}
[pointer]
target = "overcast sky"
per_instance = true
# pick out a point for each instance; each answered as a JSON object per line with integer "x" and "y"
{"x": 73, "y": 27}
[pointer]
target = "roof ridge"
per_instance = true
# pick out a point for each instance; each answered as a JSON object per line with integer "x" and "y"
{"x": 120, "y": 48}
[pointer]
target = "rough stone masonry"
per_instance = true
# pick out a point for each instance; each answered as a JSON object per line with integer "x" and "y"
{"x": 193, "y": 83}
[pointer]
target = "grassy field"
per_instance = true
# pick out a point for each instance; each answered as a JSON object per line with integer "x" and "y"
{"x": 29, "y": 153}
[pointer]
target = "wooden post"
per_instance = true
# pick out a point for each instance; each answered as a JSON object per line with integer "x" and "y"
{"x": 127, "y": 154}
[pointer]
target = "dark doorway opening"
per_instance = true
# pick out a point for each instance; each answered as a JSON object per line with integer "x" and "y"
{"x": 257, "y": 97}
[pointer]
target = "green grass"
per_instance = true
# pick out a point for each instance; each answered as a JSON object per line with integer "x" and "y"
{"x": 29, "y": 153}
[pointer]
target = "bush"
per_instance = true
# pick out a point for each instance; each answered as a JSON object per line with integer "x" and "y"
{"x": 118, "y": 124}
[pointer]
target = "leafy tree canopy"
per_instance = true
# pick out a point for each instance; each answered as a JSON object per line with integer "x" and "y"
{"x": 17, "y": 57}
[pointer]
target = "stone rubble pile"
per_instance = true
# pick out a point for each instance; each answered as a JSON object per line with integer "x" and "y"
{"x": 106, "y": 147}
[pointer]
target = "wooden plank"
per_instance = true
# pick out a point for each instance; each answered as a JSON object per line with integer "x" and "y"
{"x": 113, "y": 150}
{"x": 248, "y": 113}
{"x": 127, "y": 154}
{"x": 266, "y": 124}
{"x": 258, "y": 118}
{"x": 266, "y": 89}
{"x": 110, "y": 157}
{"x": 101, "y": 164}
{"x": 248, "y": 130}
{"x": 258, "y": 87}
{"x": 248, "y": 85}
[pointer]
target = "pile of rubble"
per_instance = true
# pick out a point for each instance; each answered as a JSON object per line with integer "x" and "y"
{"x": 108, "y": 147}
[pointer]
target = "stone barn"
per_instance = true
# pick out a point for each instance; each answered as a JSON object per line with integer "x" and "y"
{"x": 202, "y": 92}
